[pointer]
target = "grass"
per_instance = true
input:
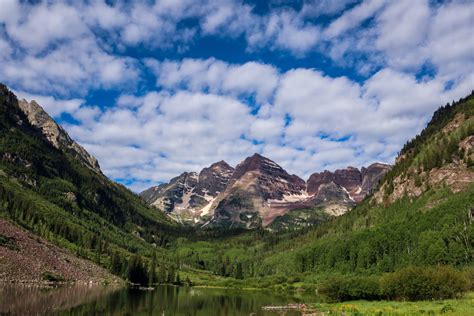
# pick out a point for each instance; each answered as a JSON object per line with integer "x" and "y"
{"x": 463, "y": 306}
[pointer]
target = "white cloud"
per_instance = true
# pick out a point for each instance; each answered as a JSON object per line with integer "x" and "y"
{"x": 402, "y": 28}
{"x": 201, "y": 109}
{"x": 72, "y": 67}
{"x": 318, "y": 8}
{"x": 216, "y": 76}
{"x": 39, "y": 26}
{"x": 352, "y": 18}
{"x": 295, "y": 36}
{"x": 183, "y": 131}
{"x": 451, "y": 40}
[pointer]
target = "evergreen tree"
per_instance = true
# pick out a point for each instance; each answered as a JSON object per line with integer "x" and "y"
{"x": 238, "y": 271}
{"x": 171, "y": 275}
{"x": 152, "y": 271}
{"x": 162, "y": 274}
{"x": 116, "y": 264}
{"x": 137, "y": 273}
{"x": 188, "y": 281}
{"x": 178, "y": 279}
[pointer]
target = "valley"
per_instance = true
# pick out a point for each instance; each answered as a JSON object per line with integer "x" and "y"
{"x": 252, "y": 226}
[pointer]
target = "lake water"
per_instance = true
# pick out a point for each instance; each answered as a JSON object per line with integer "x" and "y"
{"x": 164, "y": 300}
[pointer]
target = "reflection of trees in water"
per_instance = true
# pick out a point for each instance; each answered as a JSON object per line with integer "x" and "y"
{"x": 168, "y": 299}
{"x": 185, "y": 302}
{"x": 32, "y": 299}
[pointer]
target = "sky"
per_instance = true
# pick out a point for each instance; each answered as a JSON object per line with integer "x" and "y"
{"x": 156, "y": 88}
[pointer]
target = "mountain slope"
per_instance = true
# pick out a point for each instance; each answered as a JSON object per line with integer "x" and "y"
{"x": 188, "y": 198}
{"x": 55, "y": 134}
{"x": 442, "y": 154}
{"x": 256, "y": 193}
{"x": 26, "y": 257}
{"x": 53, "y": 192}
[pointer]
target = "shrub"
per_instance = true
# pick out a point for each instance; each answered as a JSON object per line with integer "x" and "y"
{"x": 420, "y": 283}
{"x": 469, "y": 276}
{"x": 52, "y": 277}
{"x": 345, "y": 288}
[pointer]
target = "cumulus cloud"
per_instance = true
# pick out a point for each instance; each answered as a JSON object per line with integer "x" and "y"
{"x": 313, "y": 122}
{"x": 353, "y": 18}
{"x": 217, "y": 76}
{"x": 200, "y": 110}
{"x": 183, "y": 131}
{"x": 405, "y": 35}
{"x": 48, "y": 47}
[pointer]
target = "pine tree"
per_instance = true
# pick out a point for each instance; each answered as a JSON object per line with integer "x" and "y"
{"x": 171, "y": 275}
{"x": 162, "y": 274}
{"x": 178, "y": 279}
{"x": 116, "y": 264}
{"x": 238, "y": 271}
{"x": 152, "y": 271}
{"x": 136, "y": 271}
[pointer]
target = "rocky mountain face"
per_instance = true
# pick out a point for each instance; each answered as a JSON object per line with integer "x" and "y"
{"x": 189, "y": 197}
{"x": 55, "y": 134}
{"x": 441, "y": 156}
{"x": 357, "y": 183}
{"x": 258, "y": 191}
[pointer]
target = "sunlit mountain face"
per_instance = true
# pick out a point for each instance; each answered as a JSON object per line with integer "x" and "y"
{"x": 154, "y": 89}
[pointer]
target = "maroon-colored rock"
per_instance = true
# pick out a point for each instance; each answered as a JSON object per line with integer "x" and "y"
{"x": 318, "y": 178}
{"x": 358, "y": 183}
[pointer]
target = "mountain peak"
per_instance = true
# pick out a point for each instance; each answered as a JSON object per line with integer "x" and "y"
{"x": 55, "y": 134}
{"x": 256, "y": 162}
{"x": 52, "y": 132}
{"x": 221, "y": 164}
{"x": 357, "y": 182}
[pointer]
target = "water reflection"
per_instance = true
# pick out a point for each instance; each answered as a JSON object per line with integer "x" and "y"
{"x": 164, "y": 300}
{"x": 39, "y": 300}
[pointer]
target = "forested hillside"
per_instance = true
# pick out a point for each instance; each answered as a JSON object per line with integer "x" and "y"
{"x": 51, "y": 193}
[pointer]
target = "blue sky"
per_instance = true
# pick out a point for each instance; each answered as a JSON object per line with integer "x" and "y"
{"x": 155, "y": 88}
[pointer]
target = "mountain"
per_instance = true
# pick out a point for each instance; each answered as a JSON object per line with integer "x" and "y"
{"x": 358, "y": 183}
{"x": 55, "y": 134}
{"x": 52, "y": 187}
{"x": 441, "y": 155}
{"x": 189, "y": 197}
{"x": 258, "y": 191}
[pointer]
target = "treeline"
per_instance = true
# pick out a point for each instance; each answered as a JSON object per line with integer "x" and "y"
{"x": 145, "y": 272}
{"x": 440, "y": 118}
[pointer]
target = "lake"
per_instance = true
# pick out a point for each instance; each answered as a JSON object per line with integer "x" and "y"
{"x": 164, "y": 300}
